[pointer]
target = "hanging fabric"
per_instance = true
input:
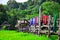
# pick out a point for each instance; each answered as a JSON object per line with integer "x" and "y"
{"x": 36, "y": 21}
{"x": 32, "y": 21}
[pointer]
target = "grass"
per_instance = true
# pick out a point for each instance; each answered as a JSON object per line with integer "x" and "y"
{"x": 13, "y": 35}
{"x": 54, "y": 37}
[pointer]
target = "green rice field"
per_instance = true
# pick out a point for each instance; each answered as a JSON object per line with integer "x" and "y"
{"x": 14, "y": 35}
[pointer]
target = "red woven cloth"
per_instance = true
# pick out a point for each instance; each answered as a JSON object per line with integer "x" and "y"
{"x": 44, "y": 19}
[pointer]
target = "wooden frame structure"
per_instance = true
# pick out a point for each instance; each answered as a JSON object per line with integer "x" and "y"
{"x": 5, "y": 23}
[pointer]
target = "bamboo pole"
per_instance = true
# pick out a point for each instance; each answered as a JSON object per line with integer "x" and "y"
{"x": 39, "y": 20}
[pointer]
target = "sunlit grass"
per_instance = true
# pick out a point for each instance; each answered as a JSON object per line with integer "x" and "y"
{"x": 13, "y": 35}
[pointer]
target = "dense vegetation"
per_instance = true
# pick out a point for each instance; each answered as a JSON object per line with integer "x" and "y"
{"x": 14, "y": 11}
{"x": 50, "y": 8}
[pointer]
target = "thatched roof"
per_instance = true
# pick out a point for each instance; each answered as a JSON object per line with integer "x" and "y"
{"x": 5, "y": 23}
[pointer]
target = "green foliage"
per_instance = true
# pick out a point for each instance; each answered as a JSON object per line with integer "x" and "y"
{"x": 32, "y": 11}
{"x": 3, "y": 27}
{"x": 12, "y": 4}
{"x": 31, "y": 16}
{"x": 3, "y": 15}
{"x": 45, "y": 12}
{"x": 12, "y": 17}
{"x": 50, "y": 7}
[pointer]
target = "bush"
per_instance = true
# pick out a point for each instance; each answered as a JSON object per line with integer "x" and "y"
{"x": 3, "y": 27}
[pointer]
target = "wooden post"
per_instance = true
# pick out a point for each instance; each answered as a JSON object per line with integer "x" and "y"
{"x": 39, "y": 29}
{"x": 59, "y": 28}
{"x": 49, "y": 26}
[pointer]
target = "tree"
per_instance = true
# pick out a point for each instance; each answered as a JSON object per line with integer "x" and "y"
{"x": 3, "y": 15}
{"x": 50, "y": 8}
{"x": 12, "y": 18}
{"x": 12, "y": 4}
